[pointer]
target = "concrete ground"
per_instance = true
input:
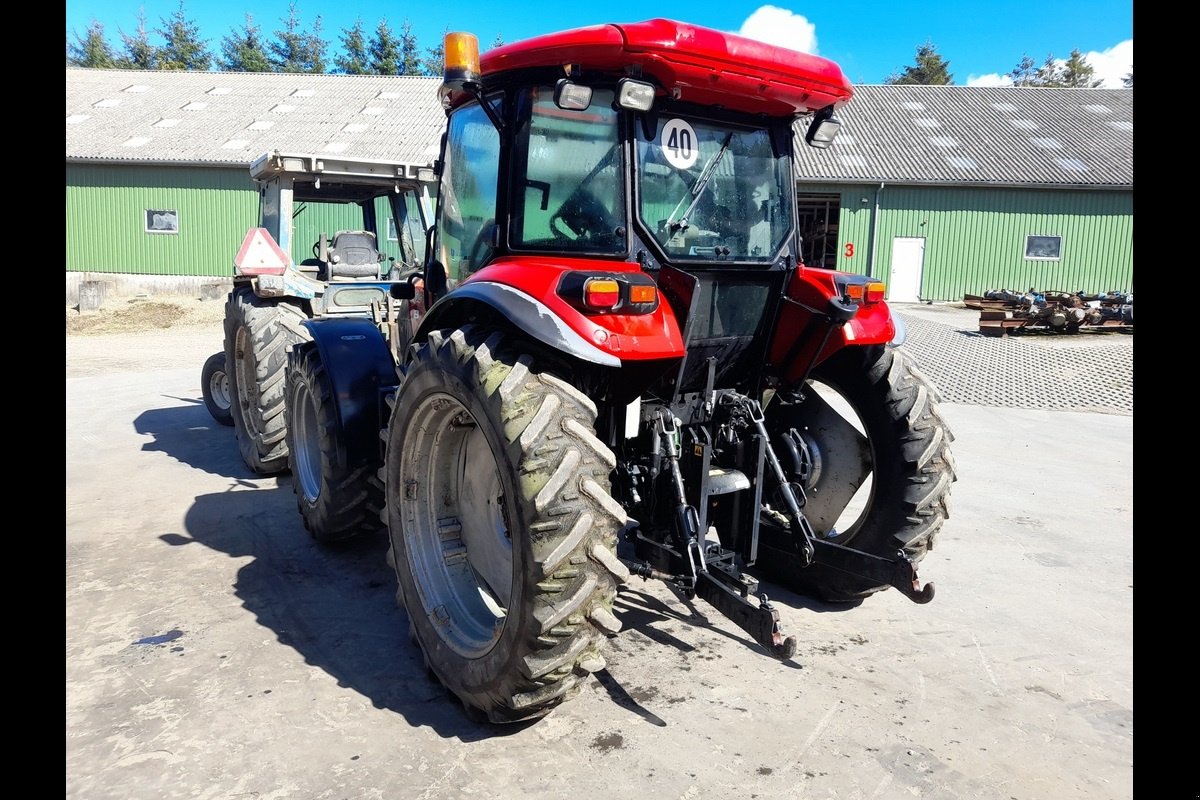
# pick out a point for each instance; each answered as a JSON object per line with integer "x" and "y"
{"x": 215, "y": 651}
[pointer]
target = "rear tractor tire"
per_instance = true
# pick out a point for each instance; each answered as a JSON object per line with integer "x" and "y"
{"x": 502, "y": 526}
{"x": 258, "y": 333}
{"x": 336, "y": 500}
{"x": 899, "y": 473}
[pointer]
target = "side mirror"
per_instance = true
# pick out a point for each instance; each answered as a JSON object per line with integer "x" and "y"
{"x": 823, "y": 129}
{"x": 404, "y": 290}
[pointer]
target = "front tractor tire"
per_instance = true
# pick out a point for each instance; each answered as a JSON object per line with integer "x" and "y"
{"x": 336, "y": 499}
{"x": 214, "y": 388}
{"x": 503, "y": 529}
{"x": 258, "y": 333}
{"x": 882, "y": 468}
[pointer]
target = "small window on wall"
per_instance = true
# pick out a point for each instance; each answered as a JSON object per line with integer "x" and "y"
{"x": 1043, "y": 248}
{"x": 162, "y": 220}
{"x": 391, "y": 230}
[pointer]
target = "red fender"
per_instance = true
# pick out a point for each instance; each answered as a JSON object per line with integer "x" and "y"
{"x": 629, "y": 337}
{"x": 802, "y": 324}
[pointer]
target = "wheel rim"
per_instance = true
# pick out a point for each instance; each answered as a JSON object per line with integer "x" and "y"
{"x": 218, "y": 389}
{"x": 247, "y": 379}
{"x": 457, "y": 540}
{"x": 306, "y": 442}
{"x": 847, "y": 482}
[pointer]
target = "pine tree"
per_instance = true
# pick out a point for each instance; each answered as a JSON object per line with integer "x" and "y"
{"x": 91, "y": 50}
{"x": 497, "y": 42}
{"x": 1127, "y": 81}
{"x": 410, "y": 59}
{"x": 139, "y": 52}
{"x": 244, "y": 50}
{"x": 384, "y": 50}
{"x": 1025, "y": 72}
{"x": 294, "y": 50}
{"x": 434, "y": 63}
{"x": 1050, "y": 73}
{"x": 315, "y": 47}
{"x": 1077, "y": 73}
{"x": 183, "y": 48}
{"x": 354, "y": 59}
{"x": 930, "y": 69}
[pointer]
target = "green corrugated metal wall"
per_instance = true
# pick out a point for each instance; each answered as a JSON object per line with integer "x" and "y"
{"x": 106, "y": 207}
{"x": 975, "y": 238}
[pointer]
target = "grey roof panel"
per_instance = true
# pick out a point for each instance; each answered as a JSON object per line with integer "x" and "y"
{"x": 1012, "y": 136}
{"x": 233, "y": 117}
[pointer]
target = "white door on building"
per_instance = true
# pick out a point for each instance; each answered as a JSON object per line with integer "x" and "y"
{"x": 908, "y": 260}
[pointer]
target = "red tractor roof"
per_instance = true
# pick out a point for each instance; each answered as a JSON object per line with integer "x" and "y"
{"x": 706, "y": 66}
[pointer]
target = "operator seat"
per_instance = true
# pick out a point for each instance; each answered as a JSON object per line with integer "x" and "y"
{"x": 353, "y": 254}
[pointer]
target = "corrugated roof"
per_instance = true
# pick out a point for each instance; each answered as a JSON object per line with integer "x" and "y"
{"x": 1009, "y": 136}
{"x": 230, "y": 118}
{"x": 979, "y": 135}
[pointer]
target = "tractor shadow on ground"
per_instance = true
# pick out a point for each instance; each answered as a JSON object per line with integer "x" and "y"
{"x": 335, "y": 605}
{"x": 191, "y": 436}
{"x": 645, "y": 612}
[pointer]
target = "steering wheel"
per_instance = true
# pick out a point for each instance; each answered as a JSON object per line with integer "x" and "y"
{"x": 583, "y": 215}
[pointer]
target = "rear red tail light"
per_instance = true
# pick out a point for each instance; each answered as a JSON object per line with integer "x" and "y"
{"x": 601, "y": 293}
{"x": 874, "y": 292}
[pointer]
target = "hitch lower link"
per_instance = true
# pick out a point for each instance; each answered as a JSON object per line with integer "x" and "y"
{"x": 722, "y": 586}
{"x": 898, "y": 572}
{"x": 729, "y": 592}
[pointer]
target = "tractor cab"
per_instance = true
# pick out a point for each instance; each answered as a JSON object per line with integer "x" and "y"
{"x": 620, "y": 155}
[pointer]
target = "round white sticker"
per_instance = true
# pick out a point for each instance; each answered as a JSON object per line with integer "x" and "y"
{"x": 679, "y": 143}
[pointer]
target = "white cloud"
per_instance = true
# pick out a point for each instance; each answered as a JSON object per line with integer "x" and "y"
{"x": 991, "y": 79}
{"x": 782, "y": 28}
{"x": 1111, "y": 66}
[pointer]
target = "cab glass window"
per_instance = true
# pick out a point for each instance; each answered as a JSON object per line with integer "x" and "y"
{"x": 569, "y": 194}
{"x": 711, "y": 191}
{"x": 467, "y": 193}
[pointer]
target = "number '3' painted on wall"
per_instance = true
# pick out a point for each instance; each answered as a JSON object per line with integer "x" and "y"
{"x": 849, "y": 249}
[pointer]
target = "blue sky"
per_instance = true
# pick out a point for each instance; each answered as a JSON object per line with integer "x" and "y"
{"x": 982, "y": 41}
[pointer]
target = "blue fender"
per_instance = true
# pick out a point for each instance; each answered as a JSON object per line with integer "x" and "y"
{"x": 361, "y": 371}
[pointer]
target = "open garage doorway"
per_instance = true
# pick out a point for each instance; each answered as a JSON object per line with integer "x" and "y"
{"x": 819, "y": 228}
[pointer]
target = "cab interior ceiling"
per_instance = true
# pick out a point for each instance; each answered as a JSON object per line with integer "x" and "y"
{"x": 338, "y": 191}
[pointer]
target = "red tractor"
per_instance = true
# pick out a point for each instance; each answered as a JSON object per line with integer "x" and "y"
{"x": 614, "y": 365}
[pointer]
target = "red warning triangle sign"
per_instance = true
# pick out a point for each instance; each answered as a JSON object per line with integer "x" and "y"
{"x": 260, "y": 255}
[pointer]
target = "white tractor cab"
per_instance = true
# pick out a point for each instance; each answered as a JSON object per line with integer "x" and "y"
{"x": 338, "y": 239}
{"x": 334, "y": 221}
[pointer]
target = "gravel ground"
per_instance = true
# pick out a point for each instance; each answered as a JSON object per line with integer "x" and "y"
{"x": 145, "y": 313}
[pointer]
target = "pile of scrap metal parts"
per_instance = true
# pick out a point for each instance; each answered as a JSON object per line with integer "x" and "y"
{"x": 1003, "y": 311}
